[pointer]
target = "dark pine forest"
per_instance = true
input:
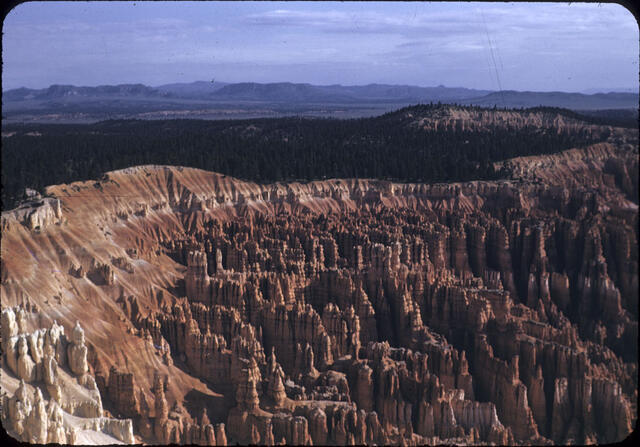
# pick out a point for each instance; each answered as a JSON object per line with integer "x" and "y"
{"x": 267, "y": 150}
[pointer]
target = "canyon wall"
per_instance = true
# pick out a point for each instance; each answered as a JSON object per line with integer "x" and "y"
{"x": 217, "y": 311}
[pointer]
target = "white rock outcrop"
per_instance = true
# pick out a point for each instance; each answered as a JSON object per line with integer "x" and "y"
{"x": 73, "y": 412}
{"x": 77, "y": 352}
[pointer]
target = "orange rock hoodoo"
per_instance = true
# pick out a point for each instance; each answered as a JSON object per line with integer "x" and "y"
{"x": 342, "y": 311}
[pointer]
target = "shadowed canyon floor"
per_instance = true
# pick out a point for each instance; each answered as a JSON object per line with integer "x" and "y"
{"x": 203, "y": 309}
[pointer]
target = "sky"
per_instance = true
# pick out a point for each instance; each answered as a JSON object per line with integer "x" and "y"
{"x": 508, "y": 46}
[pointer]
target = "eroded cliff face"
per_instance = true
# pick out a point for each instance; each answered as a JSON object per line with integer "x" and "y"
{"x": 481, "y": 119}
{"x": 48, "y": 394}
{"x": 340, "y": 312}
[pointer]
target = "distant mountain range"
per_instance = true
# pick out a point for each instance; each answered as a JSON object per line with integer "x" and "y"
{"x": 71, "y": 91}
{"x": 281, "y": 92}
{"x": 574, "y": 101}
{"x": 191, "y": 89}
{"x": 249, "y": 99}
{"x": 591, "y": 91}
{"x": 337, "y": 94}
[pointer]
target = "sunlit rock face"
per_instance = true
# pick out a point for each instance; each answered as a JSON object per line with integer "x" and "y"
{"x": 44, "y": 403}
{"x": 174, "y": 305}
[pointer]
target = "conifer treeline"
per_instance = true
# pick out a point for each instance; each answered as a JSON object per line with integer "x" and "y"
{"x": 267, "y": 150}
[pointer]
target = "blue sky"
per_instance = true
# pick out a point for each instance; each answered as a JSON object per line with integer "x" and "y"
{"x": 519, "y": 46}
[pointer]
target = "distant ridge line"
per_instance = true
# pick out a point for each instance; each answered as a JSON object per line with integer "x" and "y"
{"x": 219, "y": 100}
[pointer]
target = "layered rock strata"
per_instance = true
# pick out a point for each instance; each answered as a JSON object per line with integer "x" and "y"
{"x": 338, "y": 312}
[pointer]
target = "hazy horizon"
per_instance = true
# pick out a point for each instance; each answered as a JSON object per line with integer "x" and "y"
{"x": 539, "y": 47}
{"x": 589, "y": 91}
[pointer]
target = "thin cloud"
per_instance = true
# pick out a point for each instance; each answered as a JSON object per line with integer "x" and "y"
{"x": 357, "y": 43}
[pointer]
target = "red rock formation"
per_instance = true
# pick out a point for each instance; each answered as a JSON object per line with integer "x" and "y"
{"x": 482, "y": 312}
{"x": 122, "y": 393}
